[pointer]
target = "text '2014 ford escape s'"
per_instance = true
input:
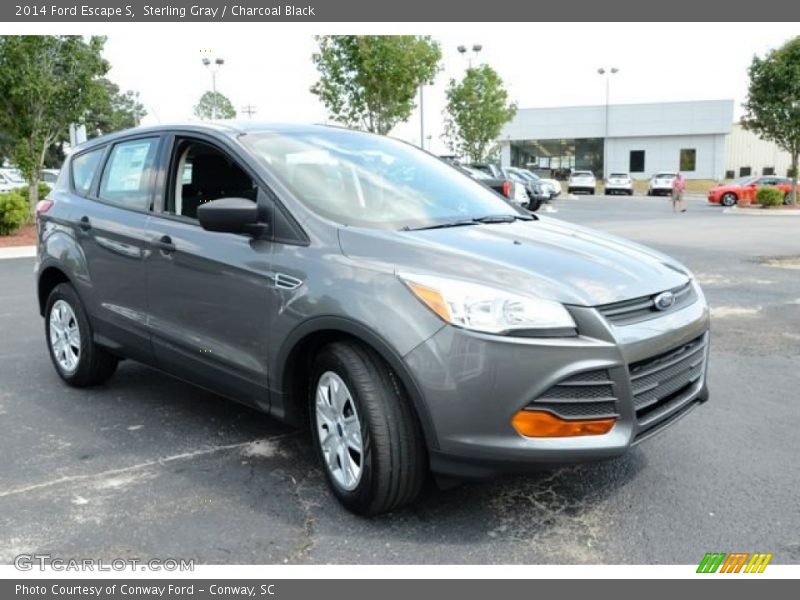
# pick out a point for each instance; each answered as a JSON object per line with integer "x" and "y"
{"x": 412, "y": 317}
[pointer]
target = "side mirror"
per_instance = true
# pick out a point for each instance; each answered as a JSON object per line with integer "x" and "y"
{"x": 229, "y": 215}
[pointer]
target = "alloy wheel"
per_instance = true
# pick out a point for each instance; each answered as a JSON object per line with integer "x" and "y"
{"x": 339, "y": 431}
{"x": 65, "y": 336}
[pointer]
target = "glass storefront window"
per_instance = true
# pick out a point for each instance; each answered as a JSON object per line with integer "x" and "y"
{"x": 559, "y": 156}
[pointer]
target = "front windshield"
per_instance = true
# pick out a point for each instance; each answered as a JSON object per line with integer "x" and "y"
{"x": 372, "y": 181}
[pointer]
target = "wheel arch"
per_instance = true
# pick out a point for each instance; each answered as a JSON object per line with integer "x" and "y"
{"x": 292, "y": 367}
{"x": 49, "y": 278}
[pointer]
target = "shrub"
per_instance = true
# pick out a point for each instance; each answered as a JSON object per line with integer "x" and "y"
{"x": 44, "y": 189}
{"x": 767, "y": 197}
{"x": 14, "y": 212}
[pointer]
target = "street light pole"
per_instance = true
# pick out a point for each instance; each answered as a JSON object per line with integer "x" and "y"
{"x": 213, "y": 67}
{"x": 607, "y": 75}
{"x": 422, "y": 116}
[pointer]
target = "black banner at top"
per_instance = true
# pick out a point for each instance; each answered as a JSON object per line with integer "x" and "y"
{"x": 49, "y": 11}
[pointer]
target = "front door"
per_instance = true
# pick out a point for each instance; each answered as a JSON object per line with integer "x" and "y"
{"x": 208, "y": 292}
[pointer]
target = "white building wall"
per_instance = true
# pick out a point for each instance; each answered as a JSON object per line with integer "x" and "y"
{"x": 624, "y": 120}
{"x": 663, "y": 154}
{"x": 744, "y": 148}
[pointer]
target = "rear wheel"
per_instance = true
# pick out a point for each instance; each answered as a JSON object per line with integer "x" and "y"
{"x": 728, "y": 199}
{"x": 534, "y": 205}
{"x": 77, "y": 359}
{"x": 365, "y": 431}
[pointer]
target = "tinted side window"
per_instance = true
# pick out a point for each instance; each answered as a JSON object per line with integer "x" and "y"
{"x": 83, "y": 168}
{"x": 128, "y": 174}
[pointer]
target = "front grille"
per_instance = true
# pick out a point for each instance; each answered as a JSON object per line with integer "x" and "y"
{"x": 639, "y": 309}
{"x": 660, "y": 383}
{"x": 587, "y": 395}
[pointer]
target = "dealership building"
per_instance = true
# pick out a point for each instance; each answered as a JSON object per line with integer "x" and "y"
{"x": 640, "y": 139}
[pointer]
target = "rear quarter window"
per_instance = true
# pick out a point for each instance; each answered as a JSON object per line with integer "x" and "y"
{"x": 83, "y": 168}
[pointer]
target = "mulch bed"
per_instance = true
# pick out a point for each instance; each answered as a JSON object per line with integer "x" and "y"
{"x": 24, "y": 236}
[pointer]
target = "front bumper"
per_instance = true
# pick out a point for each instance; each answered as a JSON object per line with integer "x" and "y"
{"x": 473, "y": 384}
{"x": 610, "y": 187}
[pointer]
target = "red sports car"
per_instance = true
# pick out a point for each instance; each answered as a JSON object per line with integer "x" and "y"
{"x": 729, "y": 194}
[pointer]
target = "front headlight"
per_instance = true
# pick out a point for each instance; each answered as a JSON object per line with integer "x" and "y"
{"x": 487, "y": 309}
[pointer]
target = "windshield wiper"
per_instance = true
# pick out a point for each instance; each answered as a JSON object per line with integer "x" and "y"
{"x": 461, "y": 223}
{"x": 503, "y": 218}
{"x": 488, "y": 219}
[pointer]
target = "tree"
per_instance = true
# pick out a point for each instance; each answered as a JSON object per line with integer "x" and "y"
{"x": 113, "y": 110}
{"x": 772, "y": 108}
{"x": 46, "y": 83}
{"x": 370, "y": 82}
{"x": 206, "y": 107}
{"x": 477, "y": 108}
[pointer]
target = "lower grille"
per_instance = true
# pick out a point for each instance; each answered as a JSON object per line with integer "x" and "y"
{"x": 660, "y": 382}
{"x": 587, "y": 395}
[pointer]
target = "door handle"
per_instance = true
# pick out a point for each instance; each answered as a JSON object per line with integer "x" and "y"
{"x": 85, "y": 224}
{"x": 164, "y": 243}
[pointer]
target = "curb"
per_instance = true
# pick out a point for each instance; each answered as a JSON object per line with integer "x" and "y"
{"x": 18, "y": 252}
{"x": 760, "y": 212}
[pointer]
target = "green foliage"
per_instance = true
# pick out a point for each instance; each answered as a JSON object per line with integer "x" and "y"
{"x": 46, "y": 83}
{"x": 113, "y": 110}
{"x": 477, "y": 108}
{"x": 767, "y": 197}
{"x": 370, "y": 82}
{"x": 205, "y": 107}
{"x": 44, "y": 189}
{"x": 14, "y": 212}
{"x": 772, "y": 108}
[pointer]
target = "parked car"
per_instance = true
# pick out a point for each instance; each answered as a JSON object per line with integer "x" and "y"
{"x": 49, "y": 176}
{"x": 502, "y": 185}
{"x": 6, "y": 184}
{"x": 14, "y": 176}
{"x": 550, "y": 187}
{"x": 661, "y": 184}
{"x": 581, "y": 181}
{"x": 619, "y": 183}
{"x": 354, "y": 284}
{"x": 729, "y": 194}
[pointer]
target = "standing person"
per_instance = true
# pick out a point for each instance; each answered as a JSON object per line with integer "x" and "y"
{"x": 678, "y": 187}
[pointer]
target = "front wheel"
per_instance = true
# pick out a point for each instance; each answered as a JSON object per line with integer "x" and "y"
{"x": 365, "y": 431}
{"x": 728, "y": 199}
{"x": 77, "y": 359}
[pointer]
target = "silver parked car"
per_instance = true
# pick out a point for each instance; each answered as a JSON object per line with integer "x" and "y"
{"x": 582, "y": 181}
{"x": 661, "y": 184}
{"x": 413, "y": 319}
{"x": 619, "y": 183}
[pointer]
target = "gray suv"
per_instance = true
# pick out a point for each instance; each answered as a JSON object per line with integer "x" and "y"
{"x": 411, "y": 317}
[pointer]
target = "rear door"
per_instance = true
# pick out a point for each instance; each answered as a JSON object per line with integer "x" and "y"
{"x": 112, "y": 205}
{"x": 208, "y": 292}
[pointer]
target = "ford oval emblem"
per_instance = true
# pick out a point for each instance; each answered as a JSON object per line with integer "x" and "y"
{"x": 664, "y": 301}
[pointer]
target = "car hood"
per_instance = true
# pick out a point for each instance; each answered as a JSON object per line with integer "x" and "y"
{"x": 546, "y": 257}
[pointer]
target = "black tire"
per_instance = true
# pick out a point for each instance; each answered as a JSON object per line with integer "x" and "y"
{"x": 95, "y": 364}
{"x": 592, "y": 192}
{"x": 534, "y": 205}
{"x": 393, "y": 466}
{"x": 728, "y": 199}
{"x": 630, "y": 192}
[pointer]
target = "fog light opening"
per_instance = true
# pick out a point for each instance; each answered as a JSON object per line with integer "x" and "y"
{"x": 534, "y": 423}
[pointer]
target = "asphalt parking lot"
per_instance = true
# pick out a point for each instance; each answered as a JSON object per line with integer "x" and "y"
{"x": 148, "y": 466}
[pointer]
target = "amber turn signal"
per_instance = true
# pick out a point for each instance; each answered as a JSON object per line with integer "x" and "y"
{"x": 433, "y": 299}
{"x": 534, "y": 423}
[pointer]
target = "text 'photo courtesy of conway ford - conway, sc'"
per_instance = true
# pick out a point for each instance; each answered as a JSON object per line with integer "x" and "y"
{"x": 412, "y": 317}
